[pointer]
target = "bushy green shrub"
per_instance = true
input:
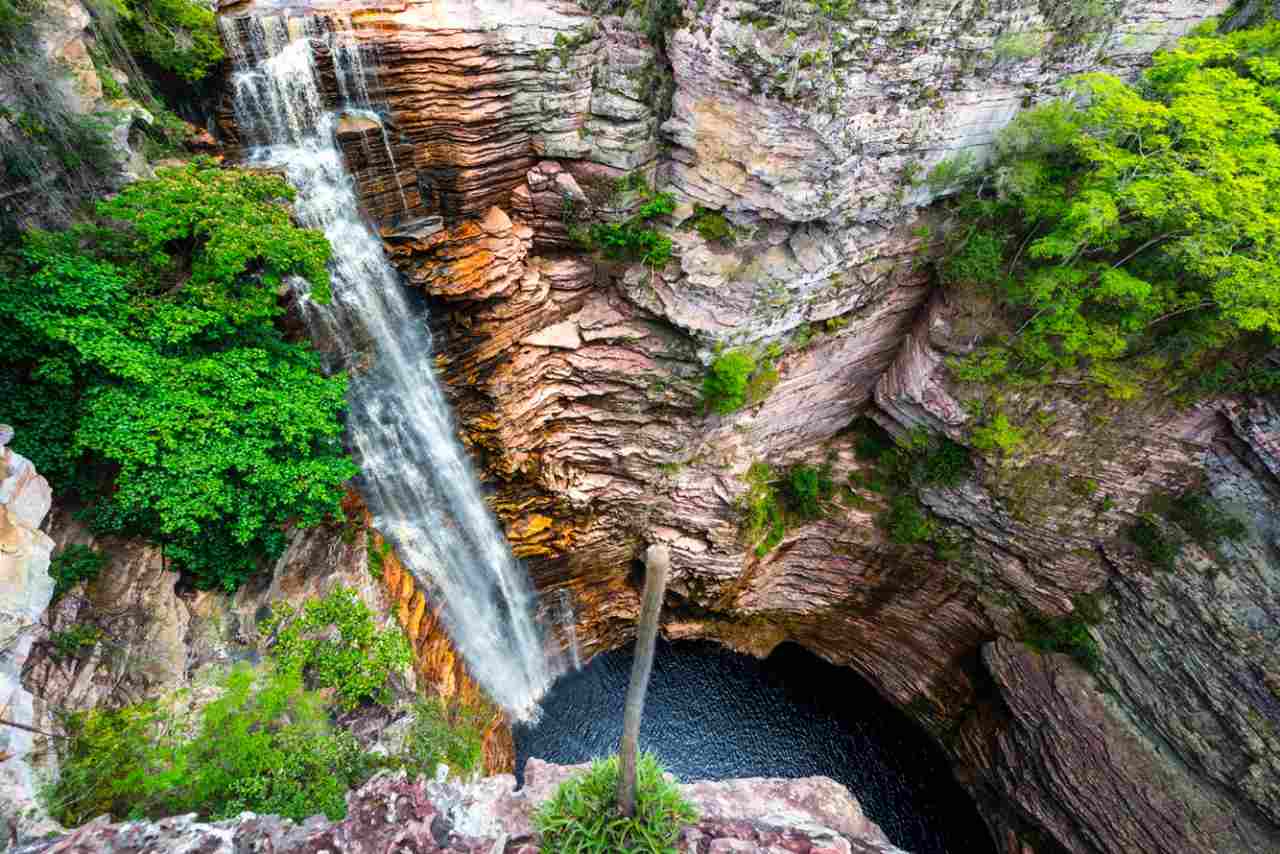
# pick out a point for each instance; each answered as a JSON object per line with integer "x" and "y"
{"x": 904, "y": 466}
{"x": 951, "y": 171}
{"x": 979, "y": 258}
{"x": 74, "y": 564}
{"x": 724, "y": 390}
{"x": 906, "y": 521}
{"x": 1154, "y": 543}
{"x": 998, "y": 435}
{"x": 356, "y": 665}
{"x": 150, "y": 376}
{"x": 764, "y": 521}
{"x": 265, "y": 745}
{"x": 74, "y": 640}
{"x": 713, "y": 226}
{"x": 806, "y": 487}
{"x": 632, "y": 240}
{"x": 443, "y": 734}
{"x": 582, "y": 816}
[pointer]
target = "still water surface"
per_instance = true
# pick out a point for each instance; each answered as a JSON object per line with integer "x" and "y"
{"x": 714, "y": 714}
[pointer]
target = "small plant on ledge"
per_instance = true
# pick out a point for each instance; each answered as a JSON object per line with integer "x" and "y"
{"x": 632, "y": 240}
{"x": 582, "y": 815}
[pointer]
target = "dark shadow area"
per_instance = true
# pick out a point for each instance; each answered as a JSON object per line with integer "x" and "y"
{"x": 714, "y": 714}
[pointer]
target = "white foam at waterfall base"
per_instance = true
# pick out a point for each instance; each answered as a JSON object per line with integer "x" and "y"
{"x": 415, "y": 475}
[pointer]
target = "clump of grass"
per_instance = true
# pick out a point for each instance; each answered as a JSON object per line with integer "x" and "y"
{"x": 582, "y": 816}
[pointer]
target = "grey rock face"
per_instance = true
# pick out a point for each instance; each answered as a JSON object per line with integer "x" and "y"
{"x": 1183, "y": 717}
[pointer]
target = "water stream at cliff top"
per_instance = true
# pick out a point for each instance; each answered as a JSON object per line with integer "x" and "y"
{"x": 415, "y": 475}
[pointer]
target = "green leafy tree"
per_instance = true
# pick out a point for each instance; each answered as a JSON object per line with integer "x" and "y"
{"x": 1146, "y": 216}
{"x": 175, "y": 405}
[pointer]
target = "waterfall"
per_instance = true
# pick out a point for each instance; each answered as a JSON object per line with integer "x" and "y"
{"x": 415, "y": 475}
{"x": 569, "y": 627}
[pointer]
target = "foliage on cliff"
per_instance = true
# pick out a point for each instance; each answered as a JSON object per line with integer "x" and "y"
{"x": 355, "y": 665}
{"x": 267, "y": 743}
{"x": 146, "y": 373}
{"x": 264, "y": 745}
{"x": 179, "y": 36}
{"x": 773, "y": 503}
{"x": 633, "y": 239}
{"x": 582, "y": 815}
{"x": 1140, "y": 224}
{"x": 55, "y": 152}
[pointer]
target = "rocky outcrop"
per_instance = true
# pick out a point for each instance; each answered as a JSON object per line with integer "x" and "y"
{"x": 799, "y": 148}
{"x": 1183, "y": 715}
{"x": 25, "y": 591}
{"x": 53, "y": 83}
{"x": 807, "y": 816}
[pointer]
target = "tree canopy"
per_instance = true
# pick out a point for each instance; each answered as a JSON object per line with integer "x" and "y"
{"x": 1140, "y": 221}
{"x": 147, "y": 372}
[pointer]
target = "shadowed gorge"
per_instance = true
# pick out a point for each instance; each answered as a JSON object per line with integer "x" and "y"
{"x": 717, "y": 715}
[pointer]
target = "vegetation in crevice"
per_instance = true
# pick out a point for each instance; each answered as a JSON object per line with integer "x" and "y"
{"x": 633, "y": 239}
{"x": 1171, "y": 521}
{"x": 72, "y": 565}
{"x": 582, "y": 815}
{"x": 1070, "y": 633}
{"x": 775, "y": 501}
{"x": 899, "y": 469}
{"x": 739, "y": 377}
{"x": 1131, "y": 234}
{"x": 713, "y": 226}
{"x": 443, "y": 733}
{"x": 355, "y": 665}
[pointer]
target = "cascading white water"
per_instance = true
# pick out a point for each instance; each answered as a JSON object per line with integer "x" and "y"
{"x": 569, "y": 627}
{"x": 416, "y": 477}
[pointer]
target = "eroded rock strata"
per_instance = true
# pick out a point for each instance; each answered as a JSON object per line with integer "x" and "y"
{"x": 577, "y": 383}
{"x": 757, "y": 816}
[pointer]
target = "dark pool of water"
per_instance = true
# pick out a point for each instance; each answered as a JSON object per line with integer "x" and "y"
{"x": 713, "y": 714}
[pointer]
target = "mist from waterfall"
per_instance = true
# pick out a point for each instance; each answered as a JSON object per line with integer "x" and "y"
{"x": 416, "y": 477}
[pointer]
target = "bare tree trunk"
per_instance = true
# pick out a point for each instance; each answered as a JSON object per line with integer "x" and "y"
{"x": 657, "y": 562}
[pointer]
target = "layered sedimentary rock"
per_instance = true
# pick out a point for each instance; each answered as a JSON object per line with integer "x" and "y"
{"x": 807, "y": 816}
{"x": 812, "y": 141}
{"x": 1183, "y": 715}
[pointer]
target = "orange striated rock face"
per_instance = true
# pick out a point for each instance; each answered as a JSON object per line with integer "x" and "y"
{"x": 440, "y": 670}
{"x": 577, "y": 385}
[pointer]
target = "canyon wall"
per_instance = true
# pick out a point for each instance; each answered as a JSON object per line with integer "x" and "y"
{"x": 813, "y": 139}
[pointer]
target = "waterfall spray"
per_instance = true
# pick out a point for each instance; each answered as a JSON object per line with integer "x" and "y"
{"x": 415, "y": 475}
